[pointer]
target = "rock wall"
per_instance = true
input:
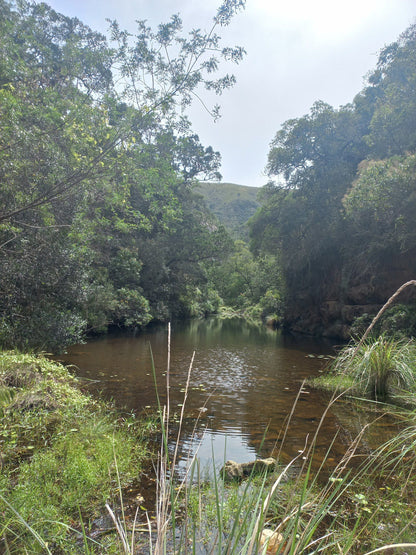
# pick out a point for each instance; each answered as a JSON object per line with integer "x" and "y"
{"x": 346, "y": 294}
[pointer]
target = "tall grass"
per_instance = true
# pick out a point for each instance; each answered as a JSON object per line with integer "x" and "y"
{"x": 379, "y": 367}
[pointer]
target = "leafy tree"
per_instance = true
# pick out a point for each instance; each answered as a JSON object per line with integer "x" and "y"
{"x": 90, "y": 171}
{"x": 250, "y": 284}
{"x": 334, "y": 230}
{"x": 389, "y": 100}
{"x": 314, "y": 159}
{"x": 382, "y": 203}
{"x": 162, "y": 70}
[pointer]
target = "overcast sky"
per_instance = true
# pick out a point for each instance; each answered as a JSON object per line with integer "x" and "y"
{"x": 298, "y": 51}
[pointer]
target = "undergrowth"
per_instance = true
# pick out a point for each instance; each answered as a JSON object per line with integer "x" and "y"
{"x": 63, "y": 454}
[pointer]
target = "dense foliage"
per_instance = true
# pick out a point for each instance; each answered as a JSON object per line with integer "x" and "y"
{"x": 99, "y": 224}
{"x": 340, "y": 211}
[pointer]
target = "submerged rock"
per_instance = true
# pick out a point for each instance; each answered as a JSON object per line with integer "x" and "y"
{"x": 237, "y": 471}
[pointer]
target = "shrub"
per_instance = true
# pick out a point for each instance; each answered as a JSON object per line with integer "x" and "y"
{"x": 398, "y": 320}
{"x": 380, "y": 366}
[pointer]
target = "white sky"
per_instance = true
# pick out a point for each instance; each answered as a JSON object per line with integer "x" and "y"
{"x": 298, "y": 51}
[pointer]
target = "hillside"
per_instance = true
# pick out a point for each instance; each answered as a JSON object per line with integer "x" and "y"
{"x": 232, "y": 204}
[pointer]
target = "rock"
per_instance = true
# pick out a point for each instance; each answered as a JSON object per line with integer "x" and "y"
{"x": 273, "y": 541}
{"x": 237, "y": 471}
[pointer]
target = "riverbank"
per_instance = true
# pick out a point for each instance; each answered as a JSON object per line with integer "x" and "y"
{"x": 64, "y": 455}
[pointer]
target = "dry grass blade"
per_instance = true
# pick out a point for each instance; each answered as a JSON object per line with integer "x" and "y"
{"x": 266, "y": 503}
{"x": 392, "y": 546}
{"x": 381, "y": 311}
{"x": 120, "y": 530}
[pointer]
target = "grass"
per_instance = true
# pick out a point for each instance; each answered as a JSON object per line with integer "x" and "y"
{"x": 380, "y": 369}
{"x": 352, "y": 511}
{"x": 62, "y": 453}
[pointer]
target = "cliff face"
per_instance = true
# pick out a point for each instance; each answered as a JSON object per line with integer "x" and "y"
{"x": 344, "y": 296}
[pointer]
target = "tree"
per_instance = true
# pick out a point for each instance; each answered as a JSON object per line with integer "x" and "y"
{"x": 66, "y": 67}
{"x": 314, "y": 159}
{"x": 381, "y": 206}
{"x": 341, "y": 208}
{"x": 389, "y": 100}
{"x": 79, "y": 155}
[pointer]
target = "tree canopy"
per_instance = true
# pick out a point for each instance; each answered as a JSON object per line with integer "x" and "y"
{"x": 338, "y": 209}
{"x": 99, "y": 224}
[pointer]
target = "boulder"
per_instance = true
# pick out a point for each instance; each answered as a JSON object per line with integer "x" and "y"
{"x": 237, "y": 471}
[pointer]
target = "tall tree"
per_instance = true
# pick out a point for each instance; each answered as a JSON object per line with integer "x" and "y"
{"x": 336, "y": 232}
{"x": 79, "y": 155}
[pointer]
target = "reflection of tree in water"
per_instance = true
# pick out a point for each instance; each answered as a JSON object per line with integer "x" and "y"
{"x": 245, "y": 377}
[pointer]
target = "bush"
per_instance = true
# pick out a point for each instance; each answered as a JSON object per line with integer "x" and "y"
{"x": 45, "y": 328}
{"x": 398, "y": 321}
{"x": 131, "y": 309}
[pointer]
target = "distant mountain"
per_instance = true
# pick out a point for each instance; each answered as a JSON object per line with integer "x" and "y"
{"x": 232, "y": 204}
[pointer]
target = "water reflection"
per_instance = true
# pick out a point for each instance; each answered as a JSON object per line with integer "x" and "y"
{"x": 245, "y": 378}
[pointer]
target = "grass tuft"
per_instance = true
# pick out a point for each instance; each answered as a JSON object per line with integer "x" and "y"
{"x": 380, "y": 368}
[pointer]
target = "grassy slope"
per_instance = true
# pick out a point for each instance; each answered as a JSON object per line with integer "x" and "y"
{"x": 232, "y": 204}
{"x": 62, "y": 454}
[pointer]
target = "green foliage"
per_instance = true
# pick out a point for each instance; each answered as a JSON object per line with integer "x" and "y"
{"x": 299, "y": 220}
{"x": 390, "y": 98}
{"x": 249, "y": 284}
{"x": 382, "y": 202}
{"x": 339, "y": 213}
{"x": 380, "y": 367}
{"x": 398, "y": 321}
{"x": 41, "y": 292}
{"x": 131, "y": 309}
{"x": 98, "y": 222}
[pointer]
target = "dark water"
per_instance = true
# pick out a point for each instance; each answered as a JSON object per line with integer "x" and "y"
{"x": 243, "y": 386}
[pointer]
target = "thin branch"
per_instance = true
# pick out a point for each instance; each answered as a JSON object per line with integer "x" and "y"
{"x": 381, "y": 311}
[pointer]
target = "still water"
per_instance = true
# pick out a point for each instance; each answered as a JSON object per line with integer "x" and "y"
{"x": 243, "y": 386}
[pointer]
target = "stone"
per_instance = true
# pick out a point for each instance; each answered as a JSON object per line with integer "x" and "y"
{"x": 272, "y": 540}
{"x": 237, "y": 471}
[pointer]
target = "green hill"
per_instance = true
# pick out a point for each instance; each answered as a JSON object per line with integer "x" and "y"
{"x": 232, "y": 204}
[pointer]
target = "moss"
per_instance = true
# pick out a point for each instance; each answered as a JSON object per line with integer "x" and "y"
{"x": 333, "y": 382}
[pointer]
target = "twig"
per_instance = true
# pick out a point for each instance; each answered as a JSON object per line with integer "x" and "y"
{"x": 380, "y": 313}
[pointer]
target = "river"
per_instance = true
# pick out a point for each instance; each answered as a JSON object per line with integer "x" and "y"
{"x": 245, "y": 382}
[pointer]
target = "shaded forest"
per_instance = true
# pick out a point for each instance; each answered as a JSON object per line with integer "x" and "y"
{"x": 339, "y": 211}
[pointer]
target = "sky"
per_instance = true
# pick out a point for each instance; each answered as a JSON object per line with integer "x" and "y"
{"x": 298, "y": 51}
